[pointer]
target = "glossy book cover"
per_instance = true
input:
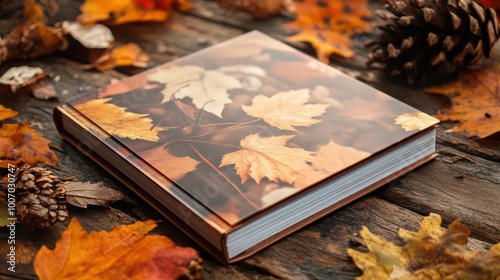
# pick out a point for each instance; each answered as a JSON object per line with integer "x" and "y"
{"x": 247, "y": 123}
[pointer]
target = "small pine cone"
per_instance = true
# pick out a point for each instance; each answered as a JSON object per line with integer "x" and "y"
{"x": 41, "y": 197}
{"x": 421, "y": 35}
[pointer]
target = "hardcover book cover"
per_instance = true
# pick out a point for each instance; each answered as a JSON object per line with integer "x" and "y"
{"x": 237, "y": 130}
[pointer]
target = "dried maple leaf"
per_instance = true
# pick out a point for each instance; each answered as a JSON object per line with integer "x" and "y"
{"x": 475, "y": 102}
{"x": 6, "y": 113}
{"x": 327, "y": 25}
{"x": 18, "y": 77}
{"x": 118, "y": 122}
{"x": 83, "y": 193}
{"x": 415, "y": 121}
{"x": 285, "y": 110}
{"x": 20, "y": 142}
{"x": 122, "y": 11}
{"x": 207, "y": 88}
{"x": 428, "y": 254}
{"x": 124, "y": 252}
{"x": 126, "y": 55}
{"x": 268, "y": 157}
{"x": 172, "y": 166}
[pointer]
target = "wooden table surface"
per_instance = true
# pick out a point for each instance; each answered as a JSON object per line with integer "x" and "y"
{"x": 463, "y": 182}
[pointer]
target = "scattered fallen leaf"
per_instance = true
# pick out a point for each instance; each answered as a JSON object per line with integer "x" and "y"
{"x": 20, "y": 142}
{"x": 122, "y": 11}
{"x": 172, "y": 166}
{"x": 126, "y": 55}
{"x": 415, "y": 121}
{"x": 83, "y": 193}
{"x": 116, "y": 121}
{"x": 285, "y": 110}
{"x": 124, "y": 252}
{"x": 428, "y": 254}
{"x": 95, "y": 36}
{"x": 268, "y": 157}
{"x": 43, "y": 90}
{"x": 6, "y": 113}
{"x": 328, "y": 25}
{"x": 256, "y": 8}
{"x": 474, "y": 102}
{"x": 207, "y": 88}
{"x": 18, "y": 77}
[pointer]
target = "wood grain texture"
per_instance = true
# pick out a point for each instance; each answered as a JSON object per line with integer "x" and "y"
{"x": 463, "y": 182}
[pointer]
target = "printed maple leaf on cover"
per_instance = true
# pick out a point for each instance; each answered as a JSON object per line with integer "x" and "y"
{"x": 226, "y": 129}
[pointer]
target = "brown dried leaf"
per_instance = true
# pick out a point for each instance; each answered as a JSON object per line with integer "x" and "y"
{"x": 474, "y": 100}
{"x": 20, "y": 142}
{"x": 327, "y": 25}
{"x": 83, "y": 193}
{"x": 285, "y": 110}
{"x": 124, "y": 252}
{"x": 116, "y": 121}
{"x": 18, "y": 77}
{"x": 268, "y": 157}
{"x": 172, "y": 166}
{"x": 428, "y": 254}
{"x": 6, "y": 113}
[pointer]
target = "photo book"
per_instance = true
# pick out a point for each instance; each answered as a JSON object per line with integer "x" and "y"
{"x": 246, "y": 141}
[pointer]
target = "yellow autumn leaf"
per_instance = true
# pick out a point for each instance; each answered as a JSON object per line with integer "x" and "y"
{"x": 329, "y": 159}
{"x": 6, "y": 113}
{"x": 286, "y": 109}
{"x": 207, "y": 88}
{"x": 172, "y": 166}
{"x": 267, "y": 157}
{"x": 126, "y": 252}
{"x": 415, "y": 121}
{"x": 116, "y": 121}
{"x": 429, "y": 253}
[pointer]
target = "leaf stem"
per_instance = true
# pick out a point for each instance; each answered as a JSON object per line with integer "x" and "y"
{"x": 223, "y": 176}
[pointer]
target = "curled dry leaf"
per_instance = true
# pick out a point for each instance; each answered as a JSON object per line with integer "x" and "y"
{"x": 126, "y": 55}
{"x": 17, "y": 77}
{"x": 95, "y": 36}
{"x": 83, "y": 193}
{"x": 415, "y": 121}
{"x": 6, "y": 113}
{"x": 268, "y": 157}
{"x": 122, "y": 11}
{"x": 20, "y": 142}
{"x": 125, "y": 250}
{"x": 285, "y": 110}
{"x": 207, "y": 88}
{"x": 116, "y": 121}
{"x": 474, "y": 102}
{"x": 428, "y": 254}
{"x": 327, "y": 25}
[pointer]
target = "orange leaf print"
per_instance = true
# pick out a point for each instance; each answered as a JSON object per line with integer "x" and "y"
{"x": 20, "y": 142}
{"x": 124, "y": 252}
{"x": 327, "y": 25}
{"x": 475, "y": 102}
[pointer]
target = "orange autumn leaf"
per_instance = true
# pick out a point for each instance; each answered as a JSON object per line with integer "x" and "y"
{"x": 20, "y": 142}
{"x": 474, "y": 102}
{"x": 118, "y": 122}
{"x": 122, "y": 11}
{"x": 415, "y": 121}
{"x": 126, "y": 252}
{"x": 172, "y": 166}
{"x": 126, "y": 55}
{"x": 6, "y": 113}
{"x": 328, "y": 25}
{"x": 268, "y": 157}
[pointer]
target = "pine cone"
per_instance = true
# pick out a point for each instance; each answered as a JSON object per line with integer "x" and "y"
{"x": 422, "y": 35}
{"x": 40, "y": 196}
